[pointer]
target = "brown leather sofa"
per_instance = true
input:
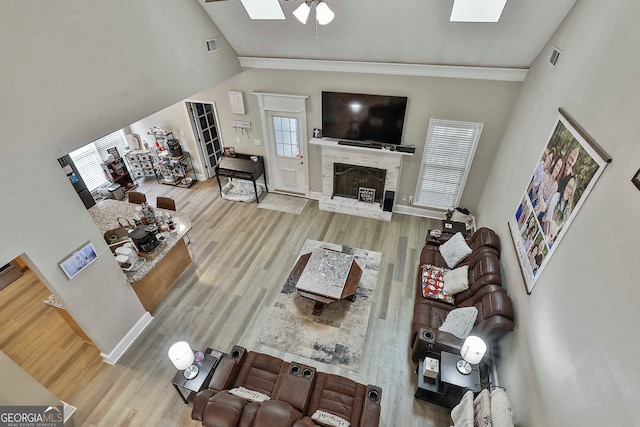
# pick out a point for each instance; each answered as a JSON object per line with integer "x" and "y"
{"x": 495, "y": 310}
{"x": 296, "y": 391}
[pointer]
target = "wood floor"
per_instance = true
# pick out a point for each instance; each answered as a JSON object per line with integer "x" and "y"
{"x": 242, "y": 256}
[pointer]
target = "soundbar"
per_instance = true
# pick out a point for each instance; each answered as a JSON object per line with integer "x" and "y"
{"x": 375, "y": 145}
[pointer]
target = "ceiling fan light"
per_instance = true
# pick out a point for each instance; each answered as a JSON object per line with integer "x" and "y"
{"x": 302, "y": 12}
{"x": 324, "y": 15}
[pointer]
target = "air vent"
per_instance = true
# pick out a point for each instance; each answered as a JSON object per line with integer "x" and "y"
{"x": 555, "y": 55}
{"x": 212, "y": 45}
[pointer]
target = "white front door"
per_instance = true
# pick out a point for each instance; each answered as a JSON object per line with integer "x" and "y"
{"x": 288, "y": 148}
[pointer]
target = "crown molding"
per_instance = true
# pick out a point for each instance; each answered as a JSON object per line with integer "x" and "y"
{"x": 419, "y": 70}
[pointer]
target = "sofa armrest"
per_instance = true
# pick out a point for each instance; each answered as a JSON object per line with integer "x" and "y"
{"x": 228, "y": 368}
{"x": 429, "y": 340}
{"x": 371, "y": 408}
{"x": 200, "y": 402}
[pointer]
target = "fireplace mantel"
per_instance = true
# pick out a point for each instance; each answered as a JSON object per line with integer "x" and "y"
{"x": 332, "y": 153}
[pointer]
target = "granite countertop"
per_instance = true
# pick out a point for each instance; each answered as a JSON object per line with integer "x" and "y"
{"x": 106, "y": 213}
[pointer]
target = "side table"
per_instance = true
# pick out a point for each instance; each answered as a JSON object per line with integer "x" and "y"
{"x": 450, "y": 385}
{"x": 206, "y": 369}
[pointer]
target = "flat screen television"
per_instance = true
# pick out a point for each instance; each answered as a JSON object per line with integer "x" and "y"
{"x": 359, "y": 117}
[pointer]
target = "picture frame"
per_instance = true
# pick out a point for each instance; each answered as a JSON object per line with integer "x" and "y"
{"x": 569, "y": 167}
{"x": 114, "y": 152}
{"x": 77, "y": 261}
{"x": 229, "y": 152}
{"x": 636, "y": 179}
{"x": 367, "y": 195}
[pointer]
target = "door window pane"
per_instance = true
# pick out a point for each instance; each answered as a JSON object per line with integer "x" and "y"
{"x": 285, "y": 131}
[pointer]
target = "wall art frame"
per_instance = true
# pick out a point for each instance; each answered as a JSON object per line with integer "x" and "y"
{"x": 570, "y": 165}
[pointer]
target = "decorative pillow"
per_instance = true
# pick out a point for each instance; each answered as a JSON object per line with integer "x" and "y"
{"x": 328, "y": 419}
{"x": 433, "y": 284}
{"x": 457, "y": 280}
{"x": 482, "y": 409}
{"x": 455, "y": 250}
{"x": 460, "y": 321}
{"x": 462, "y": 413}
{"x": 501, "y": 409}
{"x": 245, "y": 393}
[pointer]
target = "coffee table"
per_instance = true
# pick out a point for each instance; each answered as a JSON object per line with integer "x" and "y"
{"x": 326, "y": 276}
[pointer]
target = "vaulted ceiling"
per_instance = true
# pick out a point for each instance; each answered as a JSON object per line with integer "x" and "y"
{"x": 408, "y": 32}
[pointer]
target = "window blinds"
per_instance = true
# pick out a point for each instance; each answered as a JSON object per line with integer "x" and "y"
{"x": 88, "y": 159}
{"x": 447, "y": 158}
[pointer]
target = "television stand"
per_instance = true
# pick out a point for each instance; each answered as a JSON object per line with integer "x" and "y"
{"x": 375, "y": 145}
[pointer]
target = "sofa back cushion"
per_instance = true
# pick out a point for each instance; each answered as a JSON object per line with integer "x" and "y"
{"x": 337, "y": 395}
{"x": 261, "y": 372}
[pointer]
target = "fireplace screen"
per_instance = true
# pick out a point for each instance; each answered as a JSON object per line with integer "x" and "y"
{"x": 349, "y": 179}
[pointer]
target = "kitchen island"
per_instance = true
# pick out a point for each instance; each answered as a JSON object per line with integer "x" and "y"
{"x": 159, "y": 274}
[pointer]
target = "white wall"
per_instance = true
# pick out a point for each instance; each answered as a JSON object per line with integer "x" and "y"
{"x": 489, "y": 102}
{"x": 71, "y": 73}
{"x": 572, "y": 359}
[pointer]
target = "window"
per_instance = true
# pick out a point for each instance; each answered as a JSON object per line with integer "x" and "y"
{"x": 285, "y": 130}
{"x": 448, "y": 154}
{"x": 88, "y": 159}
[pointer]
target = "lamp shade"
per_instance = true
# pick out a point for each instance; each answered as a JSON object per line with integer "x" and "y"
{"x": 302, "y": 12}
{"x": 181, "y": 355}
{"x": 473, "y": 349}
{"x": 324, "y": 15}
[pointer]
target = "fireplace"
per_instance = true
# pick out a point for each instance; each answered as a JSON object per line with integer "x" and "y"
{"x": 349, "y": 179}
{"x": 358, "y": 167}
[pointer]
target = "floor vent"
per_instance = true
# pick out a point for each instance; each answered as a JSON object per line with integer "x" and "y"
{"x": 212, "y": 45}
{"x": 555, "y": 55}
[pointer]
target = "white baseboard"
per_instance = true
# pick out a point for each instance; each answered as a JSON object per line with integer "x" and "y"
{"x": 126, "y": 341}
{"x": 314, "y": 195}
{"x": 68, "y": 412}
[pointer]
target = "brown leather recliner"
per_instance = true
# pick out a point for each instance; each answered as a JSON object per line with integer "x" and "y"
{"x": 296, "y": 391}
{"x": 495, "y": 310}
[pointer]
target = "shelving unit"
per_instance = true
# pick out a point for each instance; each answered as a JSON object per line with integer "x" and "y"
{"x": 174, "y": 170}
{"x": 117, "y": 173}
{"x": 140, "y": 163}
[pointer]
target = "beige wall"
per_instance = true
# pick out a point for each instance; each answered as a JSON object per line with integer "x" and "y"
{"x": 73, "y": 72}
{"x": 489, "y": 102}
{"x": 572, "y": 359}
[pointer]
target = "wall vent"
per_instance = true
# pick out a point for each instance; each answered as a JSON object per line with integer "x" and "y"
{"x": 212, "y": 45}
{"x": 555, "y": 55}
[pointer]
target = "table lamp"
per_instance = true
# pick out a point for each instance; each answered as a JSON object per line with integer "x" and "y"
{"x": 182, "y": 358}
{"x": 472, "y": 351}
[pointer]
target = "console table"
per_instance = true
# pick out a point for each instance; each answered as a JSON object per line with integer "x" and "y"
{"x": 242, "y": 167}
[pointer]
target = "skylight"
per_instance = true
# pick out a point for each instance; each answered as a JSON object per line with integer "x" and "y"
{"x": 477, "y": 10}
{"x": 263, "y": 9}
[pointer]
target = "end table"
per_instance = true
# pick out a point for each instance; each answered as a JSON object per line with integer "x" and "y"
{"x": 450, "y": 385}
{"x": 206, "y": 369}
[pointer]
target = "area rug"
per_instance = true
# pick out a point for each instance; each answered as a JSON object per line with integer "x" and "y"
{"x": 282, "y": 203}
{"x": 337, "y": 335}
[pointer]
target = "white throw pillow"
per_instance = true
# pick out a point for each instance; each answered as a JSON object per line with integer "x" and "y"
{"x": 455, "y": 250}
{"x": 245, "y": 393}
{"x": 328, "y": 419}
{"x": 456, "y": 280}
{"x": 460, "y": 321}
{"x": 501, "y": 409}
{"x": 462, "y": 414}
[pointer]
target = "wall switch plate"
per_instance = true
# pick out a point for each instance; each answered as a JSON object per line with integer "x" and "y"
{"x": 410, "y": 200}
{"x": 404, "y": 198}
{"x": 257, "y": 142}
{"x": 237, "y": 139}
